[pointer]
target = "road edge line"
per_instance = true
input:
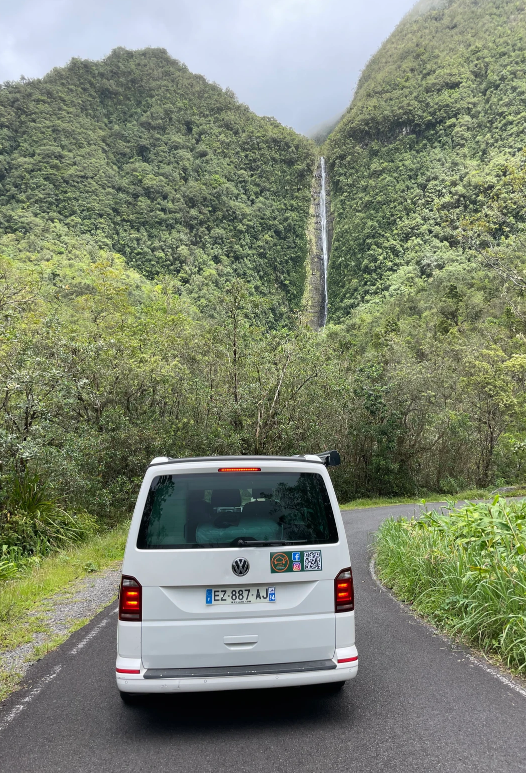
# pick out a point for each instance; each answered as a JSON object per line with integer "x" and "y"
{"x": 16, "y": 710}
{"x": 489, "y": 669}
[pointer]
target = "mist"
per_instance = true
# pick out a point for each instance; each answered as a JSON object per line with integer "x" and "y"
{"x": 296, "y": 60}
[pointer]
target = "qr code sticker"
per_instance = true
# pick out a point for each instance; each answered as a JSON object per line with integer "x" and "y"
{"x": 312, "y": 560}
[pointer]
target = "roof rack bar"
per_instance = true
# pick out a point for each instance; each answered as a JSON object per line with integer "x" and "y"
{"x": 245, "y": 458}
{"x": 328, "y": 458}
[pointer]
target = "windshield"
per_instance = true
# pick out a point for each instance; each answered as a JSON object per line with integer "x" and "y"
{"x": 199, "y": 510}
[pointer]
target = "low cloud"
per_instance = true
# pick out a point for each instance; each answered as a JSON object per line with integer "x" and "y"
{"x": 297, "y": 60}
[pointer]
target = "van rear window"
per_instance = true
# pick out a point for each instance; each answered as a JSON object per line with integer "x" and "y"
{"x": 200, "y": 510}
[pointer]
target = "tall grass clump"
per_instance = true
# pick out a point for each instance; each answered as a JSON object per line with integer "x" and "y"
{"x": 465, "y": 570}
{"x": 33, "y": 524}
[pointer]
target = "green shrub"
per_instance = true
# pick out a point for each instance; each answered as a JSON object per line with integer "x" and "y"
{"x": 32, "y": 523}
{"x": 466, "y": 571}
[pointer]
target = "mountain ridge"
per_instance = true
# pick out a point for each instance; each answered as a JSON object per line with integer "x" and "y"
{"x": 160, "y": 166}
{"x": 431, "y": 107}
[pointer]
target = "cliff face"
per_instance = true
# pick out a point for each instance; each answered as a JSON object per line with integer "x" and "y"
{"x": 315, "y": 287}
{"x": 437, "y": 119}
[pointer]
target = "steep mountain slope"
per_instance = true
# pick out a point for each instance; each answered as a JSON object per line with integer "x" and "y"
{"x": 422, "y": 385}
{"x": 436, "y": 129}
{"x": 160, "y": 166}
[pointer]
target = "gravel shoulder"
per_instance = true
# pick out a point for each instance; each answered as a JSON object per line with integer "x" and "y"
{"x": 59, "y": 616}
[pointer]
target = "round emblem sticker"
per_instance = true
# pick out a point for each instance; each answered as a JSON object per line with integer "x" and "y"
{"x": 280, "y": 562}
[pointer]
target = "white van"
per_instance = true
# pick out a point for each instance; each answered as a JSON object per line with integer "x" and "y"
{"x": 236, "y": 575}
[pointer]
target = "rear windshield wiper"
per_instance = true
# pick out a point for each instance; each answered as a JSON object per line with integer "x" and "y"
{"x": 255, "y": 543}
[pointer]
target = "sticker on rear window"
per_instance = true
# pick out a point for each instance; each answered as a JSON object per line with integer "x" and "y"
{"x": 297, "y": 561}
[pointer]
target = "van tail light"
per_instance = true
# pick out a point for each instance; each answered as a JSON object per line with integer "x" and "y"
{"x": 344, "y": 591}
{"x": 130, "y": 599}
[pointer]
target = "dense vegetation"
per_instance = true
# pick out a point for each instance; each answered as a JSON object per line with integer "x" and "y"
{"x": 427, "y": 280}
{"x": 104, "y": 369}
{"x": 162, "y": 167}
{"x": 135, "y": 197}
{"x": 436, "y": 126}
{"x": 152, "y": 265}
{"x": 466, "y": 571}
{"x": 427, "y": 266}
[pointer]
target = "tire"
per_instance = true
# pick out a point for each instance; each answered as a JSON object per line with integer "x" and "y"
{"x": 129, "y": 698}
{"x": 332, "y": 688}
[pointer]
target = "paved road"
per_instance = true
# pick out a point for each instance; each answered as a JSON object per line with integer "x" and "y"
{"x": 418, "y": 704}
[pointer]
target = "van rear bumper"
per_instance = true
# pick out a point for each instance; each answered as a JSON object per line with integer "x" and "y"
{"x": 320, "y": 672}
{"x": 267, "y": 670}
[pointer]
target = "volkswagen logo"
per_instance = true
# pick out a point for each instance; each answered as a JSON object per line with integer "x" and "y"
{"x": 240, "y": 567}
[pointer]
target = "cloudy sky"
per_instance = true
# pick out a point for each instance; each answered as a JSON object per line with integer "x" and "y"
{"x": 297, "y": 60}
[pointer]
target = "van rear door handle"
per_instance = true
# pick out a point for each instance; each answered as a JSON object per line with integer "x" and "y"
{"x": 240, "y": 641}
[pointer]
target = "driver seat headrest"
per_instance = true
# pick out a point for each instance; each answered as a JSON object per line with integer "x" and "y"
{"x": 227, "y": 497}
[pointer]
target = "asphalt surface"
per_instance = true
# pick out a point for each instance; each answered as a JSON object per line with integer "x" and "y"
{"x": 418, "y": 704}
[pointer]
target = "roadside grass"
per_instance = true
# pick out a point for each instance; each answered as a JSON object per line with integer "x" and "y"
{"x": 9, "y": 682}
{"x": 359, "y": 504}
{"x": 428, "y": 496}
{"x": 26, "y": 598}
{"x": 465, "y": 571}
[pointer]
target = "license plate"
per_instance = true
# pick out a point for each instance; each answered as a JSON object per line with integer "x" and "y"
{"x": 252, "y": 595}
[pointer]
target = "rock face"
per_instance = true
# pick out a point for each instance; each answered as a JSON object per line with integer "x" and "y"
{"x": 315, "y": 291}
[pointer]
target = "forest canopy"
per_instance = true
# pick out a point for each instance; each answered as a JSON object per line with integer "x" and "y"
{"x": 160, "y": 166}
{"x": 153, "y": 258}
{"x": 435, "y": 129}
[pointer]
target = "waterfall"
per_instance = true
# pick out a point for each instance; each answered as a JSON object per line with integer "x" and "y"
{"x": 324, "y": 246}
